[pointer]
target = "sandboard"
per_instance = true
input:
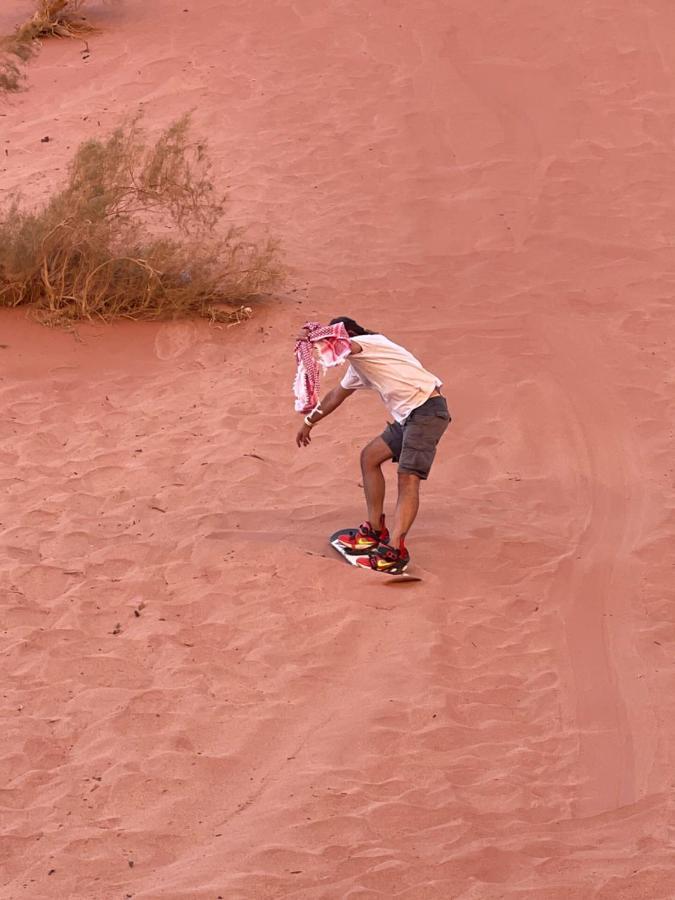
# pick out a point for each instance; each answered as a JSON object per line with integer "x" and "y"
{"x": 385, "y": 577}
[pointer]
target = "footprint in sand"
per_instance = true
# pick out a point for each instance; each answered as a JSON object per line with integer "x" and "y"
{"x": 174, "y": 338}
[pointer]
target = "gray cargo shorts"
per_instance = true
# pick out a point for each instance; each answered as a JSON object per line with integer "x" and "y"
{"x": 413, "y": 442}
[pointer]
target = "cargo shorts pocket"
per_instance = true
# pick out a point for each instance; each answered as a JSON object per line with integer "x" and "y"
{"x": 420, "y": 440}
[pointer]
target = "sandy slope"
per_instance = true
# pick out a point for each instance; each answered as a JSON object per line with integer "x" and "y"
{"x": 196, "y": 702}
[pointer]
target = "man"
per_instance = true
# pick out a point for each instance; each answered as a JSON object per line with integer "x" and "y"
{"x": 411, "y": 395}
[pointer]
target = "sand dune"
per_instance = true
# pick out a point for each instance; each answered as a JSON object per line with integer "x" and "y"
{"x": 198, "y": 700}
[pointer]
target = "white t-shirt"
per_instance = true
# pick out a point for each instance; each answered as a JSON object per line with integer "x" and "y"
{"x": 383, "y": 366}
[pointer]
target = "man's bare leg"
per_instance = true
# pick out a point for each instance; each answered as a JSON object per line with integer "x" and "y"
{"x": 406, "y": 506}
{"x": 372, "y": 457}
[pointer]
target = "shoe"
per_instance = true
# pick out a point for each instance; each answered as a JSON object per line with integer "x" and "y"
{"x": 364, "y": 538}
{"x": 386, "y": 559}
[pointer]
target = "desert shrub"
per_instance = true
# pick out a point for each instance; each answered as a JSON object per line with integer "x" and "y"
{"x": 136, "y": 231}
{"x": 13, "y": 55}
{"x": 52, "y": 18}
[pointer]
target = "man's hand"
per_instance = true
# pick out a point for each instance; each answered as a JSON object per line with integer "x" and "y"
{"x": 330, "y": 402}
{"x": 303, "y": 437}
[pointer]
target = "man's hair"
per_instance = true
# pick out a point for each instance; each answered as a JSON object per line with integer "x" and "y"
{"x": 353, "y": 328}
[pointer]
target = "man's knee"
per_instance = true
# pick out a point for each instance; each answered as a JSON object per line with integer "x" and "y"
{"x": 374, "y": 454}
{"x": 408, "y": 483}
{"x": 369, "y": 459}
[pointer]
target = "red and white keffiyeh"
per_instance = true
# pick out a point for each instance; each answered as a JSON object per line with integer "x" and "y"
{"x": 324, "y": 346}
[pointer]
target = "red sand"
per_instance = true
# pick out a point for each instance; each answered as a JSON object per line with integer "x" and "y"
{"x": 197, "y": 703}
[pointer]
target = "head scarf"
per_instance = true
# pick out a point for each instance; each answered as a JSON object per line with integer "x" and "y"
{"x": 324, "y": 346}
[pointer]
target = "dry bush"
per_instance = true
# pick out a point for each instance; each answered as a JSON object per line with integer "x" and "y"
{"x": 13, "y": 55}
{"x": 52, "y": 18}
{"x": 136, "y": 231}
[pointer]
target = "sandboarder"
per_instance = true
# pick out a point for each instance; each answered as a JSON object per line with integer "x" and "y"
{"x": 412, "y": 396}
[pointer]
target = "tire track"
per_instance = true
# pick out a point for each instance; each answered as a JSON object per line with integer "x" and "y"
{"x": 595, "y": 585}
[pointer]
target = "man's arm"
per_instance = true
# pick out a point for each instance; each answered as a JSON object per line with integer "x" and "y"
{"x": 326, "y": 406}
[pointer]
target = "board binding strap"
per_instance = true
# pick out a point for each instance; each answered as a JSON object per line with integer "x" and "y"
{"x": 351, "y": 559}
